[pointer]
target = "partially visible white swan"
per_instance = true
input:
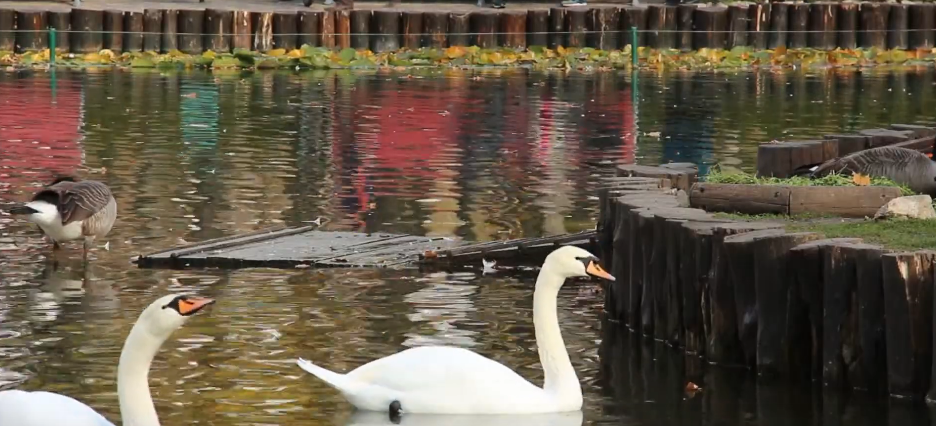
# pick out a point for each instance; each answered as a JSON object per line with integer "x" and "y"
{"x": 155, "y": 325}
{"x": 450, "y": 380}
{"x": 373, "y": 418}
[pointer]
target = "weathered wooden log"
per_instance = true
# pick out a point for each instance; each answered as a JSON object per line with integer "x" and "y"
{"x": 113, "y": 30}
{"x": 661, "y": 22}
{"x": 684, "y": 19}
{"x": 538, "y": 27}
{"x": 872, "y": 26}
{"x": 310, "y": 32}
{"x": 170, "y": 30}
{"x": 61, "y": 21}
{"x": 557, "y": 27}
{"x": 484, "y": 25}
{"x": 191, "y": 28}
{"x": 459, "y": 29}
{"x": 682, "y": 177}
{"x": 263, "y": 31}
{"x": 908, "y": 321}
{"x": 737, "y": 26}
{"x": 412, "y": 29}
{"x": 219, "y": 27}
{"x": 710, "y": 26}
{"x": 918, "y": 131}
{"x": 343, "y": 28}
{"x": 723, "y": 345}
{"x": 848, "y": 144}
{"x": 134, "y": 26}
{"x": 823, "y": 20}
{"x": 576, "y": 19}
{"x": 779, "y": 25}
{"x": 921, "y": 25}
{"x": 783, "y": 159}
{"x": 87, "y": 30}
{"x": 883, "y": 137}
{"x": 847, "y": 25}
{"x": 603, "y": 24}
{"x": 898, "y": 19}
{"x": 513, "y": 29}
{"x": 840, "y": 317}
{"x": 844, "y": 201}
{"x": 328, "y": 28}
{"x": 644, "y": 234}
{"x": 7, "y": 25}
{"x": 635, "y": 16}
{"x": 870, "y": 369}
{"x": 361, "y": 27}
{"x": 759, "y": 16}
{"x": 153, "y": 29}
{"x": 387, "y": 25}
{"x": 798, "y": 25}
{"x": 33, "y": 35}
{"x": 285, "y": 29}
{"x": 608, "y": 192}
{"x": 695, "y": 265}
{"x": 746, "y": 199}
{"x": 436, "y": 26}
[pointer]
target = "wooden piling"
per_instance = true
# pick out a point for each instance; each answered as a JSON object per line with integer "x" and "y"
{"x": 459, "y": 28}
{"x": 134, "y": 25}
{"x": 635, "y": 16}
{"x": 361, "y": 27}
{"x": 328, "y": 28}
{"x": 603, "y": 25}
{"x": 436, "y": 28}
{"x": 576, "y": 27}
{"x": 847, "y": 25}
{"x": 823, "y": 19}
{"x": 310, "y": 32}
{"x": 33, "y": 35}
{"x": 779, "y": 24}
{"x": 113, "y": 30}
{"x": 557, "y": 27}
{"x": 848, "y": 144}
{"x": 840, "y": 317}
{"x": 412, "y": 29}
{"x": 387, "y": 24}
{"x": 758, "y": 17}
{"x": 737, "y": 26}
{"x": 61, "y": 21}
{"x": 343, "y": 28}
{"x": 783, "y": 159}
{"x": 897, "y": 37}
{"x": 219, "y": 27}
{"x": 88, "y": 30}
{"x": 908, "y": 320}
{"x": 153, "y": 29}
{"x": 684, "y": 23}
{"x": 798, "y": 25}
{"x": 170, "y": 30}
{"x": 285, "y": 29}
{"x": 695, "y": 263}
{"x": 870, "y": 367}
{"x": 921, "y": 25}
{"x": 263, "y": 31}
{"x": 191, "y": 30}
{"x": 661, "y": 22}
{"x": 872, "y": 25}
{"x": 538, "y": 27}
{"x": 710, "y": 25}
{"x": 513, "y": 29}
{"x": 484, "y": 25}
{"x": 7, "y": 25}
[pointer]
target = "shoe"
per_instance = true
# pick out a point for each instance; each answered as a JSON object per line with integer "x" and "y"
{"x": 568, "y": 3}
{"x": 499, "y": 5}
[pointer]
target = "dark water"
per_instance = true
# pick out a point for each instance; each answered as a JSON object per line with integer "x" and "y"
{"x": 476, "y": 155}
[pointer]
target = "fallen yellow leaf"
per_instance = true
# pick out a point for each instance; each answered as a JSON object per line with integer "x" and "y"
{"x": 861, "y": 180}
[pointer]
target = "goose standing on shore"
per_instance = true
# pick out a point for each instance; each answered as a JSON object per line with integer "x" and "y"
{"x": 68, "y": 210}
{"x": 904, "y": 166}
{"x": 154, "y": 326}
{"x": 452, "y": 380}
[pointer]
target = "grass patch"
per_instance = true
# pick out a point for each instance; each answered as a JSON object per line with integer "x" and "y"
{"x": 909, "y": 234}
{"x": 834, "y": 179}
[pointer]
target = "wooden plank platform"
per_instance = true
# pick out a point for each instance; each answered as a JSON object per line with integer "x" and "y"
{"x": 306, "y": 247}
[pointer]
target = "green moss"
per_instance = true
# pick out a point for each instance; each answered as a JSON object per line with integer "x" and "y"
{"x": 717, "y": 176}
{"x": 908, "y": 234}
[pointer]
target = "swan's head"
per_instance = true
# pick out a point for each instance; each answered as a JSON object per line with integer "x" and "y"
{"x": 168, "y": 313}
{"x": 571, "y": 261}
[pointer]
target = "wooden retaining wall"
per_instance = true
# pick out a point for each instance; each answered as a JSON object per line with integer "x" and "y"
{"x": 791, "y": 305}
{"x": 819, "y": 25}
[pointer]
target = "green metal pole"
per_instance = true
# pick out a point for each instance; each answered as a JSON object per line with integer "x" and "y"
{"x": 52, "y": 40}
{"x": 634, "y": 46}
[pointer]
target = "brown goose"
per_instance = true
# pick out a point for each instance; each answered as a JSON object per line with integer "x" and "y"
{"x": 68, "y": 210}
{"x": 902, "y": 165}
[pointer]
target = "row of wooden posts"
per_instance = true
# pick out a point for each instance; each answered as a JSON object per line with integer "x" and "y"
{"x": 764, "y": 25}
{"x": 790, "y": 305}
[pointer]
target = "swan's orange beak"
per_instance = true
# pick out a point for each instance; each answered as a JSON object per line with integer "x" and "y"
{"x": 594, "y": 269}
{"x": 194, "y": 304}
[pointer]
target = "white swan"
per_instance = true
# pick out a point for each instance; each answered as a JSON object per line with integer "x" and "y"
{"x": 450, "y": 380}
{"x": 154, "y": 326}
{"x": 373, "y": 418}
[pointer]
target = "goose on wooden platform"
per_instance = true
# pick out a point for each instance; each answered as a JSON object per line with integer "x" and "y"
{"x": 904, "y": 166}
{"x": 451, "y": 380}
{"x": 68, "y": 210}
{"x": 154, "y": 326}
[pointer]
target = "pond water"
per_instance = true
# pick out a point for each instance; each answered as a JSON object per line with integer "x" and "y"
{"x": 477, "y": 155}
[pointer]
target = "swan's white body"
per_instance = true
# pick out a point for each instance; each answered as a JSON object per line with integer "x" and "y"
{"x": 372, "y": 418}
{"x": 155, "y": 325}
{"x": 449, "y": 380}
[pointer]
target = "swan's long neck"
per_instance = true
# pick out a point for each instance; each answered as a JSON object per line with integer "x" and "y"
{"x": 136, "y": 404}
{"x": 560, "y": 380}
